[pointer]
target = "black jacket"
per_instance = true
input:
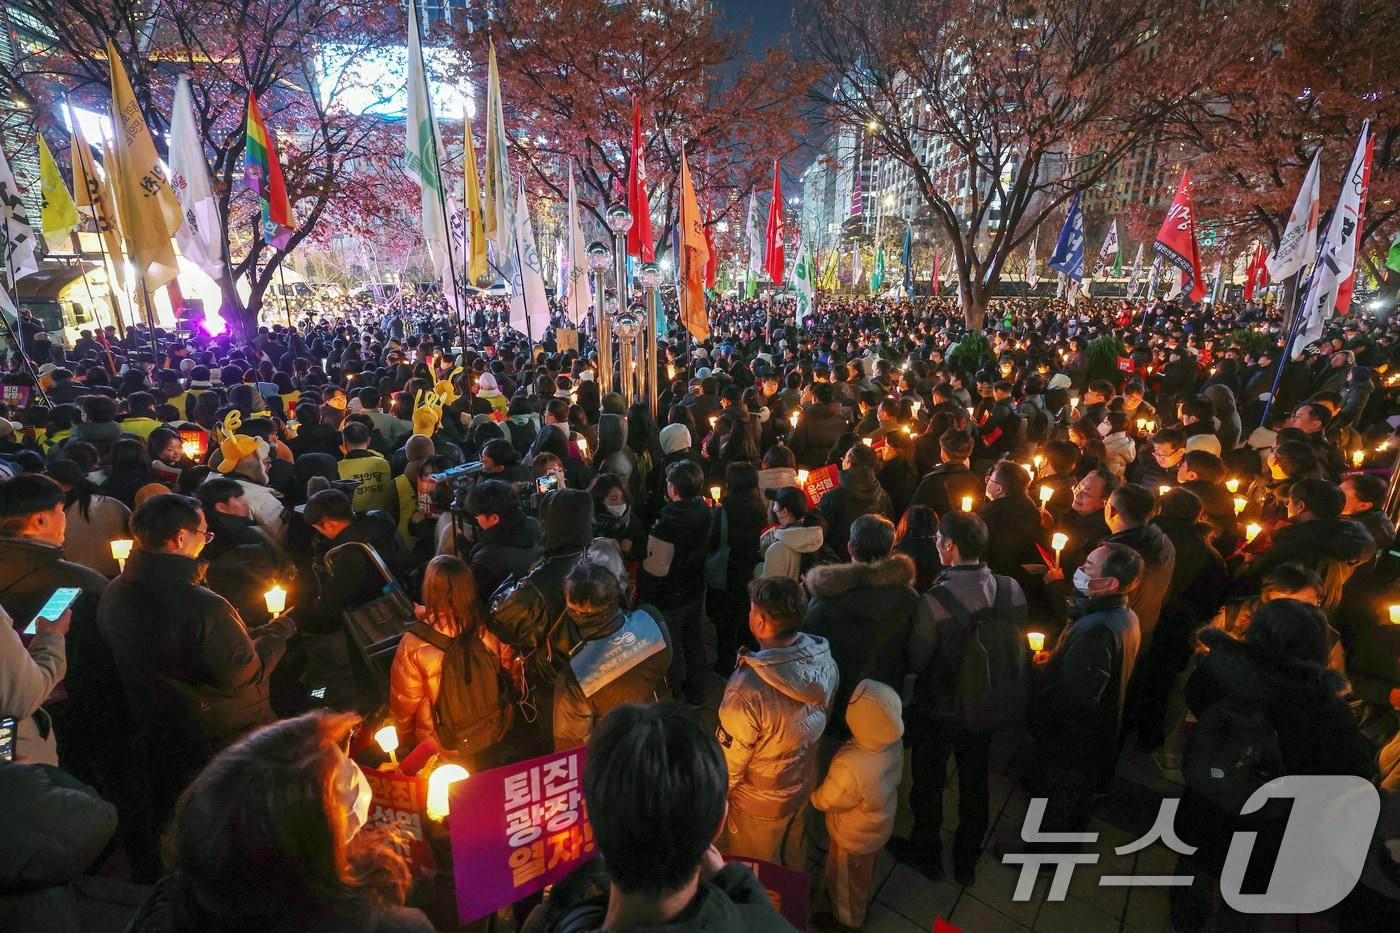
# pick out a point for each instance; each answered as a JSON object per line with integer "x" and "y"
{"x": 866, "y": 613}
{"x": 241, "y": 561}
{"x": 945, "y": 486}
{"x": 349, "y": 577}
{"x": 1013, "y": 529}
{"x": 1199, "y": 581}
{"x": 1159, "y": 561}
{"x": 859, "y": 493}
{"x": 1334, "y": 547}
{"x": 817, "y": 431}
{"x": 506, "y": 550}
{"x": 1219, "y": 506}
{"x": 184, "y": 657}
{"x": 686, "y": 526}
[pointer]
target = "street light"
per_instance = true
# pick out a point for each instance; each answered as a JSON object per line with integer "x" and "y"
{"x": 599, "y": 258}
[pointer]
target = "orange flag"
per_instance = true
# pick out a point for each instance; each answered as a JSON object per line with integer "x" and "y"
{"x": 695, "y": 255}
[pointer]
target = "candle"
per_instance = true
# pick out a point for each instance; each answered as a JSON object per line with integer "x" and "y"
{"x": 1151, "y": 426}
{"x": 714, "y": 420}
{"x": 1058, "y": 541}
{"x": 1358, "y": 457}
{"x": 1384, "y": 445}
{"x": 793, "y": 419}
{"x": 970, "y": 411}
{"x": 276, "y": 599}
{"x": 915, "y": 405}
{"x": 867, "y": 442}
{"x": 582, "y": 444}
{"x": 1142, "y": 424}
{"x": 1240, "y": 503}
{"x": 1046, "y": 494}
{"x": 443, "y": 776}
{"x": 1038, "y": 459}
{"x": 967, "y": 503}
{"x": 1233, "y": 485}
{"x": 1251, "y": 531}
{"x": 908, "y": 430}
{"x": 1163, "y": 490}
{"x": 1395, "y": 615}
{"x": 190, "y": 449}
{"x": 1030, "y": 470}
{"x": 802, "y": 477}
{"x": 670, "y": 372}
{"x": 121, "y": 550}
{"x": 388, "y": 740}
{"x": 714, "y": 493}
{"x": 1036, "y": 640}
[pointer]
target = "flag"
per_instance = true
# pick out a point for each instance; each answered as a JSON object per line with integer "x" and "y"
{"x": 773, "y": 244}
{"x": 577, "y": 301}
{"x": 1134, "y": 273}
{"x": 856, "y": 270}
{"x": 1176, "y": 240}
{"x": 423, "y": 153}
{"x": 1118, "y": 260}
{"x": 201, "y": 238}
{"x": 500, "y": 223}
{"x": 57, "y": 216}
{"x": 1178, "y": 282}
{"x": 829, "y": 275}
{"x": 640, "y": 241}
{"x": 1348, "y": 285}
{"x": 937, "y": 264}
{"x": 529, "y": 308}
{"x": 1154, "y": 278}
{"x": 755, "y": 239}
{"x": 1336, "y": 258}
{"x": 1392, "y": 258}
{"x": 1032, "y": 267}
{"x": 1256, "y": 274}
{"x": 906, "y": 260}
{"x": 804, "y": 277}
{"x": 1068, "y": 257}
{"x": 711, "y": 267}
{"x": 477, "y": 265}
{"x": 693, "y": 257}
{"x": 16, "y": 237}
{"x": 91, "y": 193}
{"x": 149, "y": 213}
{"x": 263, "y": 174}
{"x": 877, "y": 278}
{"x": 1297, "y": 247}
{"x": 1109, "y": 248}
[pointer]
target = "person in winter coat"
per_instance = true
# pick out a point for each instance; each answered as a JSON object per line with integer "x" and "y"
{"x": 858, "y": 493}
{"x": 615, "y": 517}
{"x": 1119, "y": 449}
{"x": 673, "y": 575}
{"x": 234, "y": 866}
{"x": 916, "y": 537}
{"x": 27, "y": 676}
{"x": 945, "y": 486}
{"x": 779, "y": 469}
{"x": 349, "y": 577}
{"x": 591, "y": 593}
{"x": 864, "y": 610}
{"x": 1365, "y": 504}
{"x": 795, "y": 538}
{"x": 242, "y": 561}
{"x": 1222, "y": 400}
{"x": 194, "y": 679}
{"x": 1160, "y": 459}
{"x": 943, "y": 722}
{"x": 1012, "y": 520}
{"x": 94, "y": 520}
{"x": 1203, "y": 475}
{"x": 1316, "y": 537}
{"x": 507, "y": 541}
{"x": 659, "y": 871}
{"x": 821, "y": 423}
{"x": 1280, "y": 669}
{"x": 614, "y": 456}
{"x": 1076, "y": 703}
{"x": 859, "y": 797}
{"x": 735, "y": 530}
{"x": 55, "y": 827}
{"x": 773, "y": 712}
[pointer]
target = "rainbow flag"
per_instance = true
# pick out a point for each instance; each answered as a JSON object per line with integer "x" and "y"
{"x": 263, "y": 175}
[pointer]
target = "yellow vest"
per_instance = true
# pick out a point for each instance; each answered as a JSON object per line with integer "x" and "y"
{"x": 376, "y": 489}
{"x": 140, "y": 426}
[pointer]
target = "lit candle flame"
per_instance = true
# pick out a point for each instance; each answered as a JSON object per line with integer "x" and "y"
{"x": 1036, "y": 640}
{"x": 439, "y": 781}
{"x": 276, "y": 599}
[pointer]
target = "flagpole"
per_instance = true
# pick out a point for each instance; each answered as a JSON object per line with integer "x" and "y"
{"x": 524, "y": 296}
{"x": 1293, "y": 329}
{"x": 90, "y": 173}
{"x": 150, "y": 320}
{"x": 10, "y": 328}
{"x": 286, "y": 305}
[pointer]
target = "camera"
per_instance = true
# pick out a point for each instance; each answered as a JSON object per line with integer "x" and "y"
{"x": 438, "y": 492}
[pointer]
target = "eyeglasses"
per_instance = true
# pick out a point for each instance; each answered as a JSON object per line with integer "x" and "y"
{"x": 208, "y": 535}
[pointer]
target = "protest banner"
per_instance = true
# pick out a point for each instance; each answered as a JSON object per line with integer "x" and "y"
{"x": 398, "y": 804}
{"x": 566, "y": 338}
{"x": 820, "y": 482}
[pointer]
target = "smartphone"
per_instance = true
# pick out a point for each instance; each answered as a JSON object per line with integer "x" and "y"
{"x": 7, "y": 739}
{"x": 547, "y": 483}
{"x": 61, "y": 599}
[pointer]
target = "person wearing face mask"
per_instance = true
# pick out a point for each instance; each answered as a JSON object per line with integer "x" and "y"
{"x": 233, "y": 865}
{"x": 797, "y": 542}
{"x": 194, "y": 677}
{"x": 1077, "y": 697}
{"x": 1119, "y": 449}
{"x": 1160, "y": 459}
{"x": 614, "y": 517}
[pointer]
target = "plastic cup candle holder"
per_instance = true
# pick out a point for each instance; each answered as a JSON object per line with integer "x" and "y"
{"x": 121, "y": 550}
{"x": 1395, "y": 614}
{"x": 443, "y": 777}
{"x": 387, "y": 739}
{"x": 276, "y": 599}
{"x": 1233, "y": 485}
{"x": 801, "y": 477}
{"x": 1036, "y": 640}
{"x": 1251, "y": 531}
{"x": 1358, "y": 457}
{"x": 967, "y": 503}
{"x": 714, "y": 493}
{"x": 1057, "y": 543}
{"x": 1046, "y": 494}
{"x": 793, "y": 419}
{"x": 1240, "y": 503}
{"x": 1163, "y": 490}
{"x": 867, "y": 442}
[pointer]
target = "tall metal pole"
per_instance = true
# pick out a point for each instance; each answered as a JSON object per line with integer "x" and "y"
{"x": 599, "y": 259}
{"x": 619, "y": 221}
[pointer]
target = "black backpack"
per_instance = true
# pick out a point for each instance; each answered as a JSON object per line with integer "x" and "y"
{"x": 990, "y": 682}
{"x": 1232, "y": 752}
{"x": 473, "y": 708}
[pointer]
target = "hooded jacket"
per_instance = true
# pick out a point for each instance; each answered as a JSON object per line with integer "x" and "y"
{"x": 576, "y": 715}
{"x": 861, "y": 791}
{"x": 673, "y": 573}
{"x": 859, "y": 493}
{"x": 773, "y": 712}
{"x": 351, "y": 579}
{"x": 783, "y": 549}
{"x": 944, "y": 487}
{"x": 1119, "y": 451}
{"x": 1333, "y": 547}
{"x": 866, "y": 613}
{"x": 505, "y": 551}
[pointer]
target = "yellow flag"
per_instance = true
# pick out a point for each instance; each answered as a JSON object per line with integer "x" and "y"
{"x": 58, "y": 215}
{"x": 95, "y": 196}
{"x": 695, "y": 253}
{"x": 499, "y": 190}
{"x": 476, "y": 222}
{"x": 149, "y": 211}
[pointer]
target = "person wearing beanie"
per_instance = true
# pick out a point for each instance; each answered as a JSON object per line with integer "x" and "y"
{"x": 859, "y": 797}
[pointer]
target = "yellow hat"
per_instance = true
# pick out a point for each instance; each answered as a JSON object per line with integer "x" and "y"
{"x": 427, "y": 413}
{"x": 445, "y": 391}
{"x": 234, "y": 447}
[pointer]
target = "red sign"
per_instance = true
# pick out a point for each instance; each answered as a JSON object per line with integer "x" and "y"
{"x": 398, "y": 804}
{"x": 820, "y": 482}
{"x": 1125, "y": 364}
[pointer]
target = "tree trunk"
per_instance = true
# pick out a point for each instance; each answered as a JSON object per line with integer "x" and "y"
{"x": 974, "y": 302}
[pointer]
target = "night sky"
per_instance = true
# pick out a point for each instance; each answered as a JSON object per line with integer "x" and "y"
{"x": 762, "y": 22}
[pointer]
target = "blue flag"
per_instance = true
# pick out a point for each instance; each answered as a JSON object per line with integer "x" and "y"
{"x": 908, "y": 264}
{"x": 1069, "y": 249}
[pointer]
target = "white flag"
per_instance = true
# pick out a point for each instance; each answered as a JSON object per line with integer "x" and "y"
{"x": 856, "y": 270}
{"x": 529, "y": 308}
{"x": 16, "y": 234}
{"x": 1297, "y": 247}
{"x": 1134, "y": 273}
{"x": 1337, "y": 257}
{"x": 1032, "y": 266}
{"x": 1108, "y": 250}
{"x": 424, "y": 155}
{"x": 577, "y": 302}
{"x": 755, "y": 238}
{"x": 804, "y": 276}
{"x": 200, "y": 237}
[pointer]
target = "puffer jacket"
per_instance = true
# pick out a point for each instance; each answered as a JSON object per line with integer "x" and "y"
{"x": 1334, "y": 547}
{"x": 783, "y": 549}
{"x": 866, "y": 613}
{"x": 506, "y": 550}
{"x": 575, "y": 715}
{"x": 776, "y": 478}
{"x": 816, "y": 433}
{"x": 861, "y": 791}
{"x": 54, "y": 827}
{"x": 1158, "y": 564}
{"x": 1119, "y": 451}
{"x": 773, "y": 712}
{"x": 414, "y": 678}
{"x": 859, "y": 493}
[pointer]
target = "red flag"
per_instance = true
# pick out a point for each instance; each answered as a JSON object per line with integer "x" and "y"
{"x": 1345, "y": 290}
{"x": 773, "y": 247}
{"x": 1257, "y": 275}
{"x": 640, "y": 242}
{"x": 937, "y": 263}
{"x": 1176, "y": 241}
{"x": 712, "y": 265}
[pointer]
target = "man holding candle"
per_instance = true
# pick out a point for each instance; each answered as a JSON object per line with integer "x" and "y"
{"x": 858, "y": 493}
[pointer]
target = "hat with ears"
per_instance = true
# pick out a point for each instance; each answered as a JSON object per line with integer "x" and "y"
{"x": 234, "y": 447}
{"x": 427, "y": 413}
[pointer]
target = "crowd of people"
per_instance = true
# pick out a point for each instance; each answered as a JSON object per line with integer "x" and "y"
{"x": 1073, "y": 534}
